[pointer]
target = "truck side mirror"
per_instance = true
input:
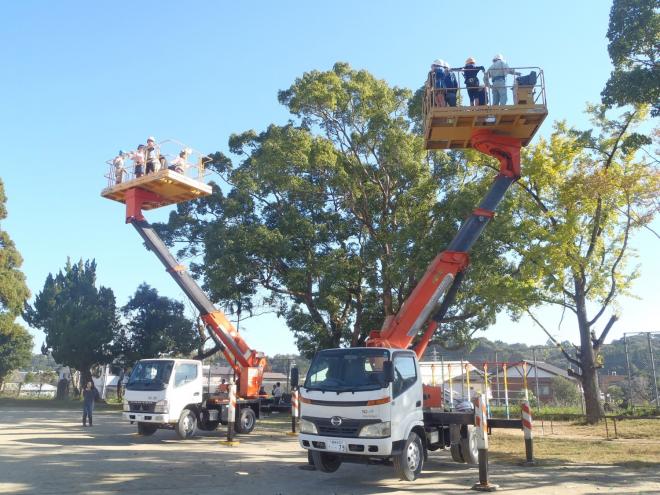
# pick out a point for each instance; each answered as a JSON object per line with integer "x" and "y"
{"x": 388, "y": 370}
{"x": 294, "y": 377}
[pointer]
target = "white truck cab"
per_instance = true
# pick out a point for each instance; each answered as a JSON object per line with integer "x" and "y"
{"x": 169, "y": 394}
{"x": 362, "y": 405}
{"x": 165, "y": 393}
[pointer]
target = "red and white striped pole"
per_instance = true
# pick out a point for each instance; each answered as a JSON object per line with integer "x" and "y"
{"x": 527, "y": 432}
{"x": 294, "y": 410}
{"x": 231, "y": 411}
{"x": 481, "y": 423}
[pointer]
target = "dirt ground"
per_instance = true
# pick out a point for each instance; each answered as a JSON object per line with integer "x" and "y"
{"x": 48, "y": 452}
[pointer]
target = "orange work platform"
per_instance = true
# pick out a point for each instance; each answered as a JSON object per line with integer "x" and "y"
{"x": 171, "y": 187}
{"x": 452, "y": 127}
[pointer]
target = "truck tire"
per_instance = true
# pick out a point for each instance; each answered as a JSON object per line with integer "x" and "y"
{"x": 208, "y": 425}
{"x": 146, "y": 429}
{"x": 187, "y": 424}
{"x": 324, "y": 462}
{"x": 409, "y": 463}
{"x": 456, "y": 453}
{"x": 246, "y": 421}
{"x": 469, "y": 449}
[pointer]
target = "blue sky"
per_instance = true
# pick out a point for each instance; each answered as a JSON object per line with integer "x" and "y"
{"x": 83, "y": 79}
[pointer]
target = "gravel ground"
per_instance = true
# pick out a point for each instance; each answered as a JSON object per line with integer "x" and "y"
{"x": 49, "y": 452}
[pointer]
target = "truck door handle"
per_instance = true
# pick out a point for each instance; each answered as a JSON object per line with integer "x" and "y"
{"x": 418, "y": 403}
{"x": 195, "y": 394}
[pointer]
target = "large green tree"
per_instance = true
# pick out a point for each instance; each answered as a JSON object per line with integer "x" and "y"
{"x": 634, "y": 36}
{"x": 332, "y": 218}
{"x": 584, "y": 195}
{"x": 79, "y": 319}
{"x": 15, "y": 341}
{"x": 155, "y": 327}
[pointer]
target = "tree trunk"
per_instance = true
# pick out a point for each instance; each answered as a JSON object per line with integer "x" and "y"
{"x": 85, "y": 376}
{"x": 589, "y": 379}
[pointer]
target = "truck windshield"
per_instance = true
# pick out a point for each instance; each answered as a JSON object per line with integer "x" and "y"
{"x": 150, "y": 375}
{"x": 347, "y": 370}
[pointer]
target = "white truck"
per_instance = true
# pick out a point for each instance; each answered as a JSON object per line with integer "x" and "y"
{"x": 369, "y": 404}
{"x": 169, "y": 394}
{"x": 366, "y": 405}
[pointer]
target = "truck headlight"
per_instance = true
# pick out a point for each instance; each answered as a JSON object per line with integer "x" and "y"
{"x": 376, "y": 430}
{"x": 162, "y": 407}
{"x": 125, "y": 406}
{"x": 308, "y": 427}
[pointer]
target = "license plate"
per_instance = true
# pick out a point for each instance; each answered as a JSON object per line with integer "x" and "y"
{"x": 336, "y": 445}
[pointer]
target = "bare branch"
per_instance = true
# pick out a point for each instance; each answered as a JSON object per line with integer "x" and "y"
{"x": 606, "y": 330}
{"x": 570, "y": 358}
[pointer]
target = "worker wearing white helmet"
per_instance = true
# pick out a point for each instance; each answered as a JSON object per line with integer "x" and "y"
{"x": 436, "y": 81}
{"x": 497, "y": 73}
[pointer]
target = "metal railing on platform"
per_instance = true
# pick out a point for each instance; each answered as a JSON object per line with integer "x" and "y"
{"x": 528, "y": 88}
{"x": 169, "y": 154}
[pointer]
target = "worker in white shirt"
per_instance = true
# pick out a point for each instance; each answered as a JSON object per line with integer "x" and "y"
{"x": 497, "y": 73}
{"x": 118, "y": 164}
{"x": 138, "y": 160}
{"x": 152, "y": 156}
{"x": 180, "y": 163}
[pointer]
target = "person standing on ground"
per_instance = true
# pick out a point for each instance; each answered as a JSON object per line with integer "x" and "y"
{"x": 120, "y": 384}
{"x": 277, "y": 392}
{"x": 90, "y": 394}
{"x": 497, "y": 73}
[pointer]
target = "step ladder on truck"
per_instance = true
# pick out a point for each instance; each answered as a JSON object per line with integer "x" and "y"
{"x": 169, "y": 393}
{"x": 369, "y": 404}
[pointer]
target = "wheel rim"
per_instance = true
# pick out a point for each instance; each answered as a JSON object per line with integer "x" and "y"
{"x": 413, "y": 456}
{"x": 188, "y": 424}
{"x": 247, "y": 422}
{"x": 472, "y": 443}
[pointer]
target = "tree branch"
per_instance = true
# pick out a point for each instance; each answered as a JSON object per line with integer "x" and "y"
{"x": 606, "y": 330}
{"x": 558, "y": 344}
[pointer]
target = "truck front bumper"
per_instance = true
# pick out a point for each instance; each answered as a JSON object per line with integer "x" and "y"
{"x": 147, "y": 417}
{"x": 368, "y": 447}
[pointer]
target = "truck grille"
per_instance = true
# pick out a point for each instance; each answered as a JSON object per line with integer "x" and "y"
{"x": 141, "y": 406}
{"x": 349, "y": 428}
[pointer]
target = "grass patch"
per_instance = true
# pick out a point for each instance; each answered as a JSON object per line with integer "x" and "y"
{"x": 637, "y": 445}
{"x": 280, "y": 422}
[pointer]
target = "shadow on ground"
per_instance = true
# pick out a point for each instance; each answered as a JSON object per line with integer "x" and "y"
{"x": 49, "y": 452}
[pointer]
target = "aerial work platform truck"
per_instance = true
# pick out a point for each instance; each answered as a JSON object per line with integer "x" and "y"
{"x": 168, "y": 393}
{"x": 368, "y": 404}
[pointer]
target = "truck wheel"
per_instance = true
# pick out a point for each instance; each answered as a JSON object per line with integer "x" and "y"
{"x": 408, "y": 464}
{"x": 469, "y": 449}
{"x": 187, "y": 424}
{"x": 456, "y": 453}
{"x": 324, "y": 462}
{"x": 146, "y": 429}
{"x": 246, "y": 421}
{"x": 208, "y": 425}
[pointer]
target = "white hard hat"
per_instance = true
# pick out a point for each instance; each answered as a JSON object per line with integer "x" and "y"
{"x": 498, "y": 57}
{"x": 439, "y": 62}
{"x": 151, "y": 138}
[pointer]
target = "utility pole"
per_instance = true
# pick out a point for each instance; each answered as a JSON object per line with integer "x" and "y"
{"x": 536, "y": 376}
{"x": 497, "y": 379}
{"x": 630, "y": 390}
{"x": 655, "y": 383}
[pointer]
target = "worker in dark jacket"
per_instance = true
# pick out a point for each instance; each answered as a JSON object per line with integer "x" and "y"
{"x": 476, "y": 92}
{"x": 90, "y": 394}
{"x": 451, "y": 85}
